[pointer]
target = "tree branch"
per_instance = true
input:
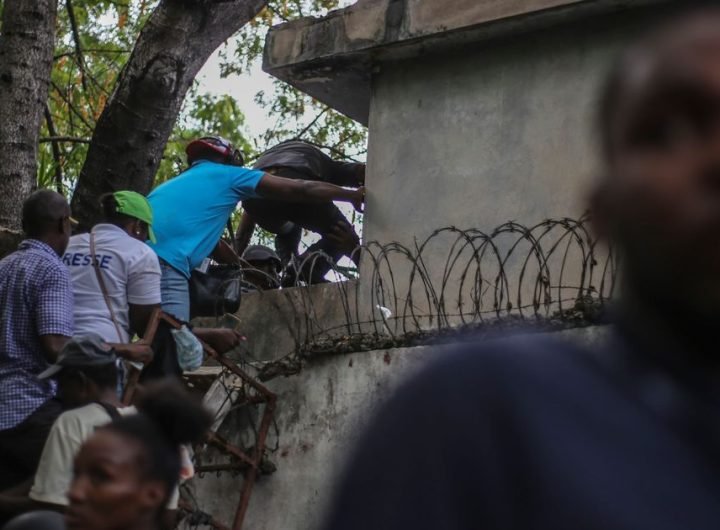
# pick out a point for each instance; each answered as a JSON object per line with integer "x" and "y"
{"x": 70, "y": 139}
{"x": 70, "y": 105}
{"x": 277, "y": 13}
{"x": 55, "y": 150}
{"x": 98, "y": 51}
{"x": 76, "y": 39}
{"x": 312, "y": 123}
{"x": 138, "y": 119}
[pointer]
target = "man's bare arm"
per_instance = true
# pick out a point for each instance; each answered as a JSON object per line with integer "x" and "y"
{"x": 244, "y": 233}
{"x": 225, "y": 254}
{"x": 140, "y": 315}
{"x": 219, "y": 339}
{"x": 51, "y": 345}
{"x": 307, "y": 191}
{"x": 346, "y": 240}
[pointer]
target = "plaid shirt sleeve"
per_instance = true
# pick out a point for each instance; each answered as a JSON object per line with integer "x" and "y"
{"x": 54, "y": 307}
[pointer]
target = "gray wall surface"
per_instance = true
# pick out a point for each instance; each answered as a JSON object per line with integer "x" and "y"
{"x": 487, "y": 135}
{"x": 320, "y": 413}
{"x": 496, "y": 132}
{"x": 278, "y": 320}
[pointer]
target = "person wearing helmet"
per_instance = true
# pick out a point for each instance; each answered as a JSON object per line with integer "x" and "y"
{"x": 192, "y": 209}
{"x": 263, "y": 270}
{"x": 297, "y": 159}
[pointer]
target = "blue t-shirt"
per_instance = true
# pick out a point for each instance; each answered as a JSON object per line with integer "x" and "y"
{"x": 190, "y": 211}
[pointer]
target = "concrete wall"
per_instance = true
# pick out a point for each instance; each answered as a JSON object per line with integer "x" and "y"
{"x": 320, "y": 412}
{"x": 277, "y": 321}
{"x": 482, "y": 136}
{"x": 496, "y": 132}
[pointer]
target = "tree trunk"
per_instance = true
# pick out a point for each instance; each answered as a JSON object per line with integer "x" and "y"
{"x": 134, "y": 127}
{"x": 27, "y": 42}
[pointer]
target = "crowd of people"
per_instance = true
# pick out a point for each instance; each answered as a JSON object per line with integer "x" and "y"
{"x": 74, "y": 303}
{"x": 529, "y": 432}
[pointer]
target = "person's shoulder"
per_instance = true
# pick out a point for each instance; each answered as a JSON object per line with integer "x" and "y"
{"x": 130, "y": 249}
{"x": 499, "y": 365}
{"x": 210, "y": 169}
{"x": 77, "y": 243}
{"x": 11, "y": 258}
{"x": 90, "y": 411}
{"x": 518, "y": 348}
{"x": 88, "y": 417}
{"x": 79, "y": 240}
{"x": 81, "y": 419}
{"x": 52, "y": 267}
{"x": 139, "y": 247}
{"x": 205, "y": 167}
{"x": 145, "y": 256}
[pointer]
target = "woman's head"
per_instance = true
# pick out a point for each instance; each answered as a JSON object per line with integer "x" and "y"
{"x": 131, "y": 212}
{"x": 126, "y": 472}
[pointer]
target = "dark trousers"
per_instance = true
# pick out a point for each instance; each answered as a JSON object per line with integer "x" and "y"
{"x": 275, "y": 216}
{"x": 22, "y": 446}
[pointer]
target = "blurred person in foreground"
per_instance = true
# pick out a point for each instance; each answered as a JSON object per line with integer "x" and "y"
{"x": 126, "y": 472}
{"x": 531, "y": 432}
{"x": 38, "y": 520}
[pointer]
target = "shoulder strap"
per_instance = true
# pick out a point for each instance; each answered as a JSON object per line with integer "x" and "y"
{"x": 110, "y": 409}
{"x": 103, "y": 288}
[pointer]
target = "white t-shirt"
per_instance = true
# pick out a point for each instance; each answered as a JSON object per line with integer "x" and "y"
{"x": 130, "y": 270}
{"x": 68, "y": 433}
{"x": 70, "y": 430}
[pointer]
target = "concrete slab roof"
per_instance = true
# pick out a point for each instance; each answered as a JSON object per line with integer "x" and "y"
{"x": 332, "y": 58}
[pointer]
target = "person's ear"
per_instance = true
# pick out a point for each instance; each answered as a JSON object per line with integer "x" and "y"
{"x": 136, "y": 228}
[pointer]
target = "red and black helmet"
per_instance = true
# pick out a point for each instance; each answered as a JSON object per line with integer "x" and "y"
{"x": 210, "y": 147}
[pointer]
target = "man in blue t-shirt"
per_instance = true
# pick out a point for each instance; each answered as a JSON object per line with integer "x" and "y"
{"x": 192, "y": 209}
{"x": 533, "y": 433}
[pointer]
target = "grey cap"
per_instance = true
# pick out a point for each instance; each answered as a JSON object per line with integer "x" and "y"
{"x": 80, "y": 352}
{"x": 260, "y": 253}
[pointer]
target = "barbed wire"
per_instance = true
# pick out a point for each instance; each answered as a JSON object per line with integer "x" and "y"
{"x": 453, "y": 280}
{"x": 460, "y": 277}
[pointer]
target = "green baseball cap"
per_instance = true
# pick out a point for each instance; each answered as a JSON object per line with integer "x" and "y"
{"x": 137, "y": 206}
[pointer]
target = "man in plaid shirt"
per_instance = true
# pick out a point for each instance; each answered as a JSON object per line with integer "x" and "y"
{"x": 37, "y": 300}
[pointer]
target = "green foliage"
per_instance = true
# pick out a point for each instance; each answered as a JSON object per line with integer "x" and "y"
{"x": 296, "y": 115}
{"x": 203, "y": 113}
{"x": 95, "y": 39}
